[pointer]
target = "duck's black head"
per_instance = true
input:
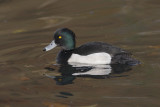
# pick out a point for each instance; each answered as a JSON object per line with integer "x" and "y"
{"x": 63, "y": 37}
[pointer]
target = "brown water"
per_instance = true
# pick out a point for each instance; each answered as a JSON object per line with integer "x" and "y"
{"x": 26, "y": 27}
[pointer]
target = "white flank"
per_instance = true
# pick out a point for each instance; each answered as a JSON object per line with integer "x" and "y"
{"x": 96, "y": 58}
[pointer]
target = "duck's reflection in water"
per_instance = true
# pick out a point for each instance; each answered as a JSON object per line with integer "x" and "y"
{"x": 71, "y": 71}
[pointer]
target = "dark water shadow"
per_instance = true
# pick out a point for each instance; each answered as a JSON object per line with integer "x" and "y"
{"x": 70, "y": 72}
{"x": 64, "y": 94}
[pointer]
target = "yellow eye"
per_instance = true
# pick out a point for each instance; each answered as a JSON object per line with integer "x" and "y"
{"x": 60, "y": 37}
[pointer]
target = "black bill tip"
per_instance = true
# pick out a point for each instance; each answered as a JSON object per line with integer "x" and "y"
{"x": 44, "y": 49}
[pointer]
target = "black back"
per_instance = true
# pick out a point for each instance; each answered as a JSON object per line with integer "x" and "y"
{"x": 96, "y": 47}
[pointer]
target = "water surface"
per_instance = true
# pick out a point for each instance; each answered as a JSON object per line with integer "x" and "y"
{"x": 28, "y": 76}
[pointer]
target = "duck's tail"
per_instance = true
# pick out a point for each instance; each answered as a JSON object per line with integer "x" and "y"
{"x": 125, "y": 58}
